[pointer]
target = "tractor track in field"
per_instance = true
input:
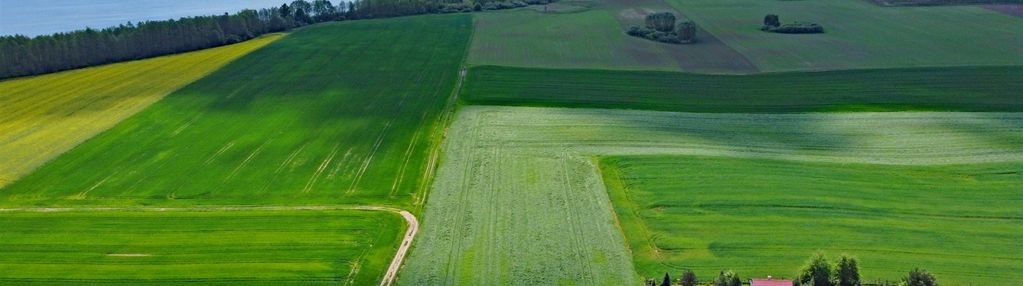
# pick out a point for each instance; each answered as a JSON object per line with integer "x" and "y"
{"x": 389, "y": 275}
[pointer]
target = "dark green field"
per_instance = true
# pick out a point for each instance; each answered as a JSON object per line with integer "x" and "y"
{"x": 335, "y": 113}
{"x": 766, "y": 217}
{"x": 931, "y": 89}
{"x": 280, "y": 247}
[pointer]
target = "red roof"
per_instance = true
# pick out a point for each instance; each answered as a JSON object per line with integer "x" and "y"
{"x": 769, "y": 282}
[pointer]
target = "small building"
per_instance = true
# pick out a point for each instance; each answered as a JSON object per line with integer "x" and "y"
{"x": 769, "y": 281}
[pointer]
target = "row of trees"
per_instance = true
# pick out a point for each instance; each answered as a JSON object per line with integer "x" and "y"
{"x": 816, "y": 272}
{"x": 24, "y": 56}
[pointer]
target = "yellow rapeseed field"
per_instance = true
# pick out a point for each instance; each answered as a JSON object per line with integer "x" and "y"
{"x": 44, "y": 116}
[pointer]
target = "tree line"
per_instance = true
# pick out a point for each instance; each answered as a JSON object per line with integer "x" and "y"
{"x": 24, "y": 56}
{"x": 816, "y": 272}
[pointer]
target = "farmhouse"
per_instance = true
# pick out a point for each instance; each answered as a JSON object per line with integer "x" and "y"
{"x": 769, "y": 281}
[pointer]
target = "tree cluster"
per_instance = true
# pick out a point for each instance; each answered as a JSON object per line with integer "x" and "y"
{"x": 661, "y": 27}
{"x": 773, "y": 24}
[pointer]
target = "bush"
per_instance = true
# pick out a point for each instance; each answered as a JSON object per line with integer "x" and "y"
{"x": 639, "y": 32}
{"x": 919, "y": 277}
{"x": 686, "y": 32}
{"x": 771, "y": 20}
{"x": 727, "y": 278}
{"x": 664, "y": 21}
{"x": 847, "y": 273}
{"x": 799, "y": 28}
{"x": 816, "y": 272}
{"x": 773, "y": 24}
{"x": 688, "y": 278}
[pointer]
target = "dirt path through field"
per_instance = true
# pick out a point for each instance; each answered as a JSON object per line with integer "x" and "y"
{"x": 392, "y": 270}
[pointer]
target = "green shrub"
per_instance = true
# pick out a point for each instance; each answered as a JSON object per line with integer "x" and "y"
{"x": 686, "y": 32}
{"x": 727, "y": 278}
{"x": 847, "y": 273}
{"x": 799, "y": 28}
{"x": 688, "y": 278}
{"x": 816, "y": 272}
{"x": 919, "y": 277}
{"x": 664, "y": 21}
{"x": 773, "y": 24}
{"x": 771, "y": 20}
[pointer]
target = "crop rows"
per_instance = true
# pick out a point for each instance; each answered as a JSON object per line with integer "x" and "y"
{"x": 321, "y": 116}
{"x": 44, "y": 116}
{"x": 518, "y": 187}
{"x": 765, "y": 217}
{"x": 944, "y": 89}
{"x": 245, "y": 247}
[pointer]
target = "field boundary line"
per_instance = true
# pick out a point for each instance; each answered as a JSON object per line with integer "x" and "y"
{"x": 389, "y": 275}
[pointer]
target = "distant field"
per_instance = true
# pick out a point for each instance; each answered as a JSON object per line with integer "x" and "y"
{"x": 591, "y": 34}
{"x": 334, "y": 113}
{"x": 943, "y": 89}
{"x": 208, "y": 248}
{"x": 860, "y": 34}
{"x": 519, "y": 199}
{"x": 765, "y": 217}
{"x": 44, "y": 116}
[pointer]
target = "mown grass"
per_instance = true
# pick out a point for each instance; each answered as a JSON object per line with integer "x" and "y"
{"x": 44, "y": 116}
{"x": 859, "y": 34}
{"x": 334, "y": 113}
{"x": 765, "y": 217}
{"x": 519, "y": 199}
{"x": 934, "y": 89}
{"x": 208, "y": 248}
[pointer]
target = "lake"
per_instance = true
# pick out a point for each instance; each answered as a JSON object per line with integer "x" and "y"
{"x": 38, "y": 17}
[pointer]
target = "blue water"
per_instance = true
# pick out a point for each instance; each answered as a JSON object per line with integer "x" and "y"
{"x": 38, "y": 17}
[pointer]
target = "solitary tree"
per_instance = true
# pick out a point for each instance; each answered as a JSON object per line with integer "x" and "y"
{"x": 816, "y": 272}
{"x": 920, "y": 277}
{"x": 727, "y": 278}
{"x": 664, "y": 22}
{"x": 686, "y": 32}
{"x": 688, "y": 278}
{"x": 847, "y": 273}
{"x": 667, "y": 280}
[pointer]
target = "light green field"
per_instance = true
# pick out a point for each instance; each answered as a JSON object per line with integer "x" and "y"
{"x": 592, "y": 36}
{"x": 860, "y": 34}
{"x": 44, "y": 116}
{"x": 519, "y": 199}
{"x": 339, "y": 113}
{"x": 281, "y": 247}
{"x": 765, "y": 217}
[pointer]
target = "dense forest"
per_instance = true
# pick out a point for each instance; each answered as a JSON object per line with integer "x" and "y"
{"x": 24, "y": 56}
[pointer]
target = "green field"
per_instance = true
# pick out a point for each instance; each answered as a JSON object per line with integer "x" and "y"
{"x": 519, "y": 198}
{"x": 944, "y": 89}
{"x": 335, "y": 113}
{"x": 860, "y": 34}
{"x": 765, "y": 217}
{"x": 280, "y": 247}
{"x": 44, "y": 116}
{"x": 591, "y": 34}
